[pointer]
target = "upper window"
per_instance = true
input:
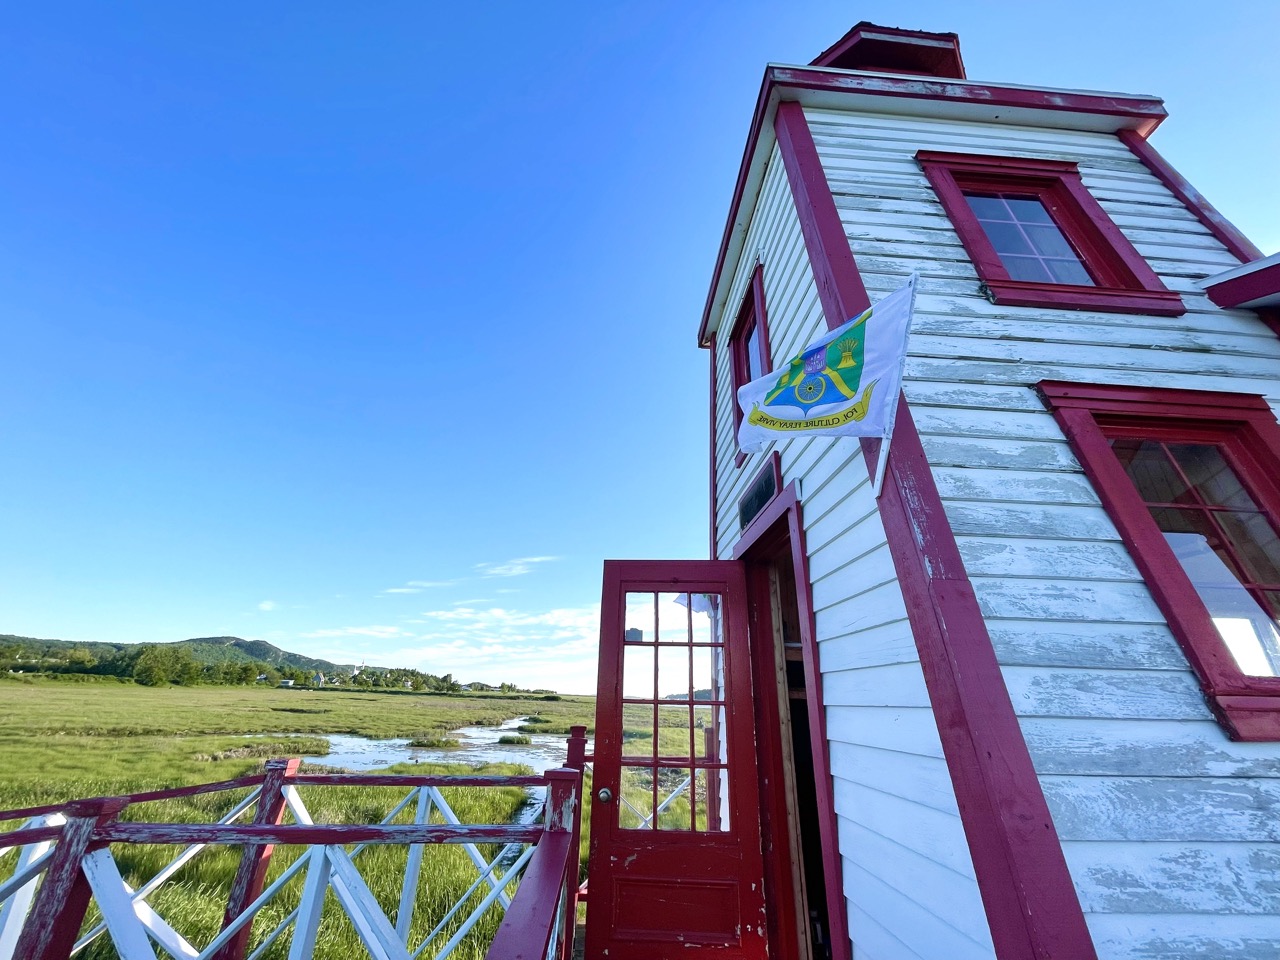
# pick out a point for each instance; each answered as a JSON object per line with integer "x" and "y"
{"x": 1038, "y": 238}
{"x": 749, "y": 344}
{"x": 1192, "y": 481}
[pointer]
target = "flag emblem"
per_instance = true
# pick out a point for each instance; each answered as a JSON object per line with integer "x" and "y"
{"x": 822, "y": 374}
{"x": 846, "y": 383}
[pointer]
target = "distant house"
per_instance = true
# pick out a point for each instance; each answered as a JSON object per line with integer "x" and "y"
{"x": 318, "y": 680}
{"x": 286, "y": 683}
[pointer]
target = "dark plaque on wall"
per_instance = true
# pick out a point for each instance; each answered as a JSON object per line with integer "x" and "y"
{"x": 760, "y": 491}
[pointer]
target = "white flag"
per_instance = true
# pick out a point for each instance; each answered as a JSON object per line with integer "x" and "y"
{"x": 845, "y": 384}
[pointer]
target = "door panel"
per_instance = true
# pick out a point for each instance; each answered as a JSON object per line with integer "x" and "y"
{"x": 675, "y": 828}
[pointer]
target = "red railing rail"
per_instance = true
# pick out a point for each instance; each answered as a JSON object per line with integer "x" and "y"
{"x": 539, "y": 921}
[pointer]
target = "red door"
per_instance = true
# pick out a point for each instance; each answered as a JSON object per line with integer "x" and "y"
{"x": 675, "y": 828}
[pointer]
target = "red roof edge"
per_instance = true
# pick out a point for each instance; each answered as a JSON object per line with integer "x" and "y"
{"x": 869, "y": 46}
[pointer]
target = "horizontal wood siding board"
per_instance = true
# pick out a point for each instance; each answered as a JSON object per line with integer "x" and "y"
{"x": 1041, "y": 691}
{"x": 1100, "y": 747}
{"x": 914, "y": 826}
{"x": 915, "y": 777}
{"x": 904, "y": 729}
{"x": 996, "y": 556}
{"x": 1142, "y": 937}
{"x": 875, "y": 644}
{"x": 1027, "y": 894}
{"x": 1099, "y": 644}
{"x": 1239, "y": 878}
{"x": 981, "y": 518}
{"x": 1084, "y": 601}
{"x": 1166, "y": 809}
{"x": 892, "y": 685}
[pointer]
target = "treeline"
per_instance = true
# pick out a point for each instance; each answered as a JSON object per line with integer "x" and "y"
{"x": 155, "y": 665}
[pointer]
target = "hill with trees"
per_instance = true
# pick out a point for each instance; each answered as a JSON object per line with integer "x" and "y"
{"x": 216, "y": 660}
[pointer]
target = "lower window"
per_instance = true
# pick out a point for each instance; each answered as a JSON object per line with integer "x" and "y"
{"x": 1192, "y": 481}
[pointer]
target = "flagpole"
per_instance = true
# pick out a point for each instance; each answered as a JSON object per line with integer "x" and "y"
{"x": 882, "y": 459}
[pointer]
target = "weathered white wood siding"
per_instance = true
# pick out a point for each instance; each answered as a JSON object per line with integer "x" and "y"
{"x": 1169, "y": 829}
{"x": 908, "y": 878}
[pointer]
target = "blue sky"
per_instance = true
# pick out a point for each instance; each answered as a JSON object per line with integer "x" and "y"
{"x": 368, "y": 329}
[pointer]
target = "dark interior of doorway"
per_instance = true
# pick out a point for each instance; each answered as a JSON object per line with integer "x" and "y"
{"x": 801, "y": 788}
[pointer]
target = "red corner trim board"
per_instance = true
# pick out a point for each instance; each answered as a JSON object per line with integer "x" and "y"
{"x": 1031, "y": 903}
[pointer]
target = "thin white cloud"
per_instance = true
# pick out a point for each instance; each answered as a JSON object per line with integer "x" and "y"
{"x": 417, "y": 586}
{"x": 267, "y": 606}
{"x": 511, "y": 568}
{"x": 467, "y": 603}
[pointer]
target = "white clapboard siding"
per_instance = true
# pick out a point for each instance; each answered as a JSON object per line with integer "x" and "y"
{"x": 908, "y": 877}
{"x": 1170, "y": 830}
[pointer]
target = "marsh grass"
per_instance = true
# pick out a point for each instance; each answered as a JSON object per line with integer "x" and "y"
{"x": 61, "y": 741}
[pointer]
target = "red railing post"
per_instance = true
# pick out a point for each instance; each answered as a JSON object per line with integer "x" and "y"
{"x": 577, "y": 758}
{"x": 59, "y": 906}
{"x": 564, "y": 812}
{"x": 252, "y": 871}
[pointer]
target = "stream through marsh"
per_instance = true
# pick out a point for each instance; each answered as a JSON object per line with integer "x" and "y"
{"x": 476, "y": 745}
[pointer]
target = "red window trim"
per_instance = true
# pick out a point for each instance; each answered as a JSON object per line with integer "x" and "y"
{"x": 751, "y": 311}
{"x": 1125, "y": 282}
{"x": 1248, "y": 707}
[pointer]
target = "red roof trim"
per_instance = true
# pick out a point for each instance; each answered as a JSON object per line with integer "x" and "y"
{"x": 1148, "y": 111}
{"x": 1263, "y": 282}
{"x": 1145, "y": 113}
{"x": 934, "y": 54}
{"x": 1031, "y": 903}
{"x": 1204, "y": 211}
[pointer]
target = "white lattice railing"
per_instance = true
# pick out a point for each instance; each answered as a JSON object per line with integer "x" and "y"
{"x": 64, "y": 860}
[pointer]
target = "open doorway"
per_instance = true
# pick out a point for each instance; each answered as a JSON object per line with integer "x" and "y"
{"x": 797, "y": 810}
{"x": 789, "y": 784}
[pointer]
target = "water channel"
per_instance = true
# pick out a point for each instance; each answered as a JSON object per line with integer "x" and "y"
{"x": 477, "y": 745}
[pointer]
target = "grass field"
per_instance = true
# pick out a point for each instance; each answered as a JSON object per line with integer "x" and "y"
{"x": 62, "y": 740}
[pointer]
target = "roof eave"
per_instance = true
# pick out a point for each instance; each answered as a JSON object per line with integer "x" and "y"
{"x": 907, "y": 95}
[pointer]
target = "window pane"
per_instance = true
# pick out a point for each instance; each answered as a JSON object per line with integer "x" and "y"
{"x": 1031, "y": 246}
{"x": 641, "y": 618}
{"x": 712, "y": 812}
{"x": 1247, "y": 630}
{"x": 1069, "y": 271}
{"x": 674, "y": 796}
{"x": 673, "y": 673}
{"x": 1049, "y": 241}
{"x": 755, "y": 369}
{"x": 1028, "y": 210}
{"x": 635, "y": 800}
{"x": 988, "y": 207}
{"x": 1254, "y": 541}
{"x": 637, "y": 730}
{"x": 637, "y": 672}
{"x": 1026, "y": 268}
{"x": 1271, "y": 603}
{"x": 1007, "y": 238}
{"x": 1172, "y": 520}
{"x": 674, "y": 618}
{"x": 1151, "y": 471}
{"x": 1212, "y": 476}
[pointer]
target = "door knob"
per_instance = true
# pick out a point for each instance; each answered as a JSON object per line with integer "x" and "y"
{"x": 604, "y": 794}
